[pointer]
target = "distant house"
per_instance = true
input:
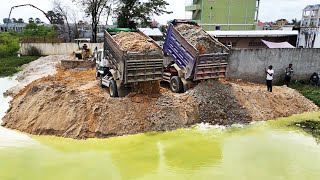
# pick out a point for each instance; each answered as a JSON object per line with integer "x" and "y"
{"x": 309, "y": 36}
{"x": 253, "y": 39}
{"x": 17, "y": 27}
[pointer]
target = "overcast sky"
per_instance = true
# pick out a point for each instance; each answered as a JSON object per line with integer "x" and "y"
{"x": 270, "y": 10}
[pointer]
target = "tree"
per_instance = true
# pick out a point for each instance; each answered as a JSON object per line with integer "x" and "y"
{"x": 9, "y": 44}
{"x": 131, "y": 12}
{"x": 56, "y": 18}
{"x": 63, "y": 10}
{"x": 94, "y": 9}
{"x": 295, "y": 22}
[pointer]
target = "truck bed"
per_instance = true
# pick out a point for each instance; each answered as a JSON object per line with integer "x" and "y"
{"x": 195, "y": 66}
{"x": 133, "y": 67}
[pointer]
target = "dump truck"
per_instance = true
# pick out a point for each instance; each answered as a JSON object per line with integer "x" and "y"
{"x": 125, "y": 68}
{"x": 187, "y": 60}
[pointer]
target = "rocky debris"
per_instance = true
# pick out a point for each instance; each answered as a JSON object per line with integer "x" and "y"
{"x": 200, "y": 39}
{"x": 218, "y": 104}
{"x": 134, "y": 42}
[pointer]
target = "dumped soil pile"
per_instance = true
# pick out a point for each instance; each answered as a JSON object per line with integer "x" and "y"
{"x": 218, "y": 104}
{"x": 263, "y": 105}
{"x": 71, "y": 104}
{"x": 134, "y": 42}
{"x": 39, "y": 68}
{"x": 200, "y": 39}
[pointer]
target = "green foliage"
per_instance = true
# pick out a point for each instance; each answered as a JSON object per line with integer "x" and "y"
{"x": 9, "y": 44}
{"x": 35, "y": 30}
{"x": 310, "y": 126}
{"x": 131, "y": 12}
{"x": 309, "y": 91}
{"x": 11, "y": 65}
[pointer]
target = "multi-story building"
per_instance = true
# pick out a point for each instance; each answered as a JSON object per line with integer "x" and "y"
{"x": 224, "y": 14}
{"x": 18, "y": 27}
{"x": 309, "y": 36}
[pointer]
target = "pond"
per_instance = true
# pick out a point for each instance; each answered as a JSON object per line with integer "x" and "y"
{"x": 264, "y": 150}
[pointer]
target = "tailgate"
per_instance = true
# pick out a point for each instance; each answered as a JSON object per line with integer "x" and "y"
{"x": 211, "y": 66}
{"x": 143, "y": 70}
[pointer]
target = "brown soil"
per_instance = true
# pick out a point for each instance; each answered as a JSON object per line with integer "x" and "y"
{"x": 134, "y": 42}
{"x": 263, "y": 105}
{"x": 71, "y": 104}
{"x": 200, "y": 39}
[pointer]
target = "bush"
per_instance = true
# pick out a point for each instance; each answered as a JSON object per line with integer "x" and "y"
{"x": 33, "y": 51}
{"x": 9, "y": 44}
{"x": 307, "y": 90}
{"x": 12, "y": 65}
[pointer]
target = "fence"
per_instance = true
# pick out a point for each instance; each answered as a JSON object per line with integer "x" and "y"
{"x": 250, "y": 64}
{"x": 55, "y": 48}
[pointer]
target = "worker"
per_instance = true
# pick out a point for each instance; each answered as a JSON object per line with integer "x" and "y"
{"x": 314, "y": 79}
{"x": 269, "y": 73}
{"x": 289, "y": 72}
{"x": 86, "y": 52}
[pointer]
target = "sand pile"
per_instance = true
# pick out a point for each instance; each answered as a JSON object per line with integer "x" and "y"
{"x": 200, "y": 39}
{"x": 71, "y": 104}
{"x": 134, "y": 42}
{"x": 262, "y": 105}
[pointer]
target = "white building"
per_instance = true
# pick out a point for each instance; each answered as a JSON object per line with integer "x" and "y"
{"x": 309, "y": 36}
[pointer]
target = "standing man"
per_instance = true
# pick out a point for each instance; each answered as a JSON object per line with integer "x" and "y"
{"x": 270, "y": 74}
{"x": 289, "y": 72}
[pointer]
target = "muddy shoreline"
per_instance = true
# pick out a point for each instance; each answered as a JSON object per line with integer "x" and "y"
{"x": 71, "y": 104}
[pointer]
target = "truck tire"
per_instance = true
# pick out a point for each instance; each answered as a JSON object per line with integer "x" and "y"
{"x": 113, "y": 89}
{"x": 101, "y": 85}
{"x": 176, "y": 84}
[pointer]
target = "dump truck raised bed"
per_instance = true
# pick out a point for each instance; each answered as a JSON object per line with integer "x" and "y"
{"x": 132, "y": 58}
{"x": 191, "y": 55}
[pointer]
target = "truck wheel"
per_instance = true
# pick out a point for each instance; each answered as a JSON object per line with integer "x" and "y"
{"x": 113, "y": 89}
{"x": 101, "y": 85}
{"x": 176, "y": 84}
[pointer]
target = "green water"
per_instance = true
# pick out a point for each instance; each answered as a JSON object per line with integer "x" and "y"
{"x": 268, "y": 150}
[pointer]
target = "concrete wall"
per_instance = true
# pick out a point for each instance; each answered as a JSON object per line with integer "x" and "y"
{"x": 250, "y": 64}
{"x": 55, "y": 48}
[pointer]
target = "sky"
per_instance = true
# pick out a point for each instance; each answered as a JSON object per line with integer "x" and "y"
{"x": 270, "y": 10}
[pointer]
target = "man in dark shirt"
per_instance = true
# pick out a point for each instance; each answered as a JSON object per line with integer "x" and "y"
{"x": 314, "y": 79}
{"x": 289, "y": 72}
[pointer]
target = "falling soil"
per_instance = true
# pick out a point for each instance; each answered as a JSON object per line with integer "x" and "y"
{"x": 199, "y": 39}
{"x": 134, "y": 42}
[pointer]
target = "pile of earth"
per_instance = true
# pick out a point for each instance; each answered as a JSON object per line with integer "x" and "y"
{"x": 134, "y": 42}
{"x": 199, "y": 39}
{"x": 72, "y": 104}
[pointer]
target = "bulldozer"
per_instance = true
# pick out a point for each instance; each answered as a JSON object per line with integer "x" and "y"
{"x": 83, "y": 52}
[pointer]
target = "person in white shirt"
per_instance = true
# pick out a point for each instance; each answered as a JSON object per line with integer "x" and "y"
{"x": 270, "y": 74}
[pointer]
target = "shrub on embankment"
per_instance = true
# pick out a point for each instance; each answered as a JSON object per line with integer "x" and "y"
{"x": 307, "y": 90}
{"x": 12, "y": 65}
{"x": 9, "y": 45}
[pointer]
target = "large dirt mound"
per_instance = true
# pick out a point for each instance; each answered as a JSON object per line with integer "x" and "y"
{"x": 263, "y": 105}
{"x": 134, "y": 42}
{"x": 71, "y": 104}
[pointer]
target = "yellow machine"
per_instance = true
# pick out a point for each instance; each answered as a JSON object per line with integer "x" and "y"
{"x": 83, "y": 52}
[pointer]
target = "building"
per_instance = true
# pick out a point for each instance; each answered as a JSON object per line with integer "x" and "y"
{"x": 17, "y": 27}
{"x": 309, "y": 36}
{"x": 280, "y": 24}
{"x": 224, "y": 14}
{"x": 253, "y": 39}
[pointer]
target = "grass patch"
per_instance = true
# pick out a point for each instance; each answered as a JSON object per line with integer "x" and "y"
{"x": 309, "y": 91}
{"x": 11, "y": 65}
{"x": 311, "y": 127}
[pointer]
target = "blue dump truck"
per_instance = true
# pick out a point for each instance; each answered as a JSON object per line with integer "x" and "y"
{"x": 124, "y": 70}
{"x": 191, "y": 55}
